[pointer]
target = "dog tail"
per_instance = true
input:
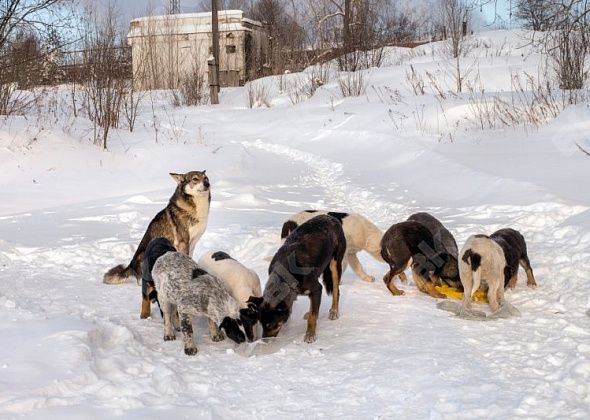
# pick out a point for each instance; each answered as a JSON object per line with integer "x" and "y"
{"x": 328, "y": 281}
{"x": 474, "y": 260}
{"x": 117, "y": 275}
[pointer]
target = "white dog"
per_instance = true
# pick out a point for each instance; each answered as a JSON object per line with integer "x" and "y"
{"x": 361, "y": 235}
{"x": 242, "y": 282}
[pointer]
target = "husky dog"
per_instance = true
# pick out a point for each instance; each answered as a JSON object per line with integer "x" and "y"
{"x": 514, "y": 247}
{"x": 412, "y": 243}
{"x": 183, "y": 222}
{"x": 184, "y": 286}
{"x": 242, "y": 282}
{"x": 444, "y": 245}
{"x": 482, "y": 266}
{"x": 315, "y": 248}
{"x": 360, "y": 233}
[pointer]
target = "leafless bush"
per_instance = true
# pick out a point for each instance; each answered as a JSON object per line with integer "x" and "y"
{"x": 304, "y": 86}
{"x": 298, "y": 90}
{"x": 569, "y": 58}
{"x": 415, "y": 80}
{"x": 387, "y": 95}
{"x": 318, "y": 75}
{"x": 131, "y": 101}
{"x": 14, "y": 101}
{"x": 360, "y": 60}
{"x": 567, "y": 41}
{"x": 532, "y": 102}
{"x": 192, "y": 89}
{"x": 258, "y": 95}
{"x": 435, "y": 85}
{"x": 352, "y": 83}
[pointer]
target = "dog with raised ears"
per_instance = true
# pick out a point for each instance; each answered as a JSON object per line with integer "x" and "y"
{"x": 444, "y": 245}
{"x": 182, "y": 222}
{"x": 515, "y": 252}
{"x": 314, "y": 248}
{"x": 242, "y": 282}
{"x": 185, "y": 287}
{"x": 481, "y": 266}
{"x": 411, "y": 243}
{"x": 361, "y": 235}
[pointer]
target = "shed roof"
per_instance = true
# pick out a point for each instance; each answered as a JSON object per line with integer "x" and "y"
{"x": 191, "y": 23}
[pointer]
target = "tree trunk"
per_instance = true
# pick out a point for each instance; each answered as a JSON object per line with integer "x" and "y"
{"x": 346, "y": 30}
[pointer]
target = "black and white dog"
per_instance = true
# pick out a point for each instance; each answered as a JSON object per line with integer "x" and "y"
{"x": 411, "y": 243}
{"x": 155, "y": 249}
{"x": 242, "y": 282}
{"x": 185, "y": 287}
{"x": 361, "y": 235}
{"x": 515, "y": 252}
{"x": 314, "y": 248}
{"x": 482, "y": 267}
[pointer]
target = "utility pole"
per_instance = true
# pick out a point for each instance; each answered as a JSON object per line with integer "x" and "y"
{"x": 174, "y": 7}
{"x": 214, "y": 63}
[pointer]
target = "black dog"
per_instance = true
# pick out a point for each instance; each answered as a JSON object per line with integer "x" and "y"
{"x": 315, "y": 248}
{"x": 413, "y": 241}
{"x": 514, "y": 247}
{"x": 446, "y": 247}
{"x": 155, "y": 249}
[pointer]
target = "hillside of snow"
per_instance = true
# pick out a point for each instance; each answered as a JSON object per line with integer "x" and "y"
{"x": 73, "y": 347}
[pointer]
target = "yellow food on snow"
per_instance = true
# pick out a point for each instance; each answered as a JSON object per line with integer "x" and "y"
{"x": 453, "y": 293}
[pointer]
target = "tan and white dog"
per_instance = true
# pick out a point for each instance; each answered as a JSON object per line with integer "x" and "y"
{"x": 361, "y": 235}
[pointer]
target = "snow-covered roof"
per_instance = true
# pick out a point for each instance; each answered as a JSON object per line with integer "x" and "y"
{"x": 190, "y": 23}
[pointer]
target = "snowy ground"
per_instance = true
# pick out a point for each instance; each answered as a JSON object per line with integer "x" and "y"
{"x": 73, "y": 347}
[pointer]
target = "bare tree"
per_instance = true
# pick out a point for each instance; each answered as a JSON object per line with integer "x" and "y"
{"x": 28, "y": 16}
{"x": 454, "y": 18}
{"x": 105, "y": 86}
{"x": 535, "y": 14}
{"x": 287, "y": 37}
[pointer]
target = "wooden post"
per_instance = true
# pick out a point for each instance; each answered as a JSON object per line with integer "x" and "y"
{"x": 214, "y": 81}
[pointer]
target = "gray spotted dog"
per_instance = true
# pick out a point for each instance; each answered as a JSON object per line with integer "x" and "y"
{"x": 184, "y": 286}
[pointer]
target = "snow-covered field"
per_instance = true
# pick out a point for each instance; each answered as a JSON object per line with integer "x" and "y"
{"x": 72, "y": 347}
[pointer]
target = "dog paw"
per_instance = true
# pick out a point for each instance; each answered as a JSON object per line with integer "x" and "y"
{"x": 190, "y": 351}
{"x": 306, "y": 316}
{"x": 532, "y": 285}
{"x": 217, "y": 338}
{"x": 309, "y": 337}
{"x": 397, "y": 292}
{"x": 333, "y": 315}
{"x": 170, "y": 337}
{"x": 369, "y": 279}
